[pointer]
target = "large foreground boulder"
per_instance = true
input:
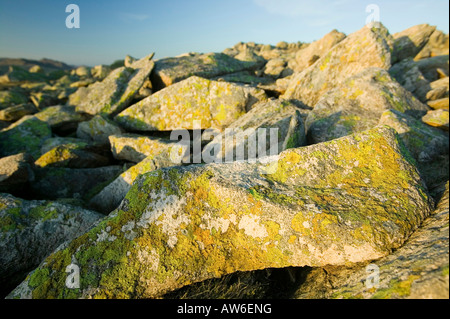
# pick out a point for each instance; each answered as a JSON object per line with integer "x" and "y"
{"x": 353, "y": 199}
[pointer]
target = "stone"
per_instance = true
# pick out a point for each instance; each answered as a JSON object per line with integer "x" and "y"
{"x": 275, "y": 67}
{"x": 307, "y": 56}
{"x": 417, "y": 270}
{"x": 282, "y": 116}
{"x": 82, "y": 71}
{"x": 438, "y": 93}
{"x": 215, "y": 104}
{"x": 15, "y": 172}
{"x": 409, "y": 42}
{"x": 17, "y": 74}
{"x": 245, "y": 77}
{"x": 72, "y": 156}
{"x": 100, "y": 72}
{"x": 12, "y": 97}
{"x": 30, "y": 230}
{"x": 357, "y": 105}
{"x": 26, "y": 135}
{"x": 116, "y": 91}
{"x": 16, "y": 112}
{"x": 80, "y": 183}
{"x": 98, "y": 129}
{"x": 437, "y": 45}
{"x": 351, "y": 200}
{"x": 61, "y": 118}
{"x": 429, "y": 66}
{"x": 407, "y": 73}
{"x": 135, "y": 148}
{"x": 368, "y": 47}
{"x": 53, "y": 142}
{"x": 437, "y": 118}
{"x": 42, "y": 100}
{"x": 439, "y": 103}
{"x": 424, "y": 142}
{"x": 171, "y": 70}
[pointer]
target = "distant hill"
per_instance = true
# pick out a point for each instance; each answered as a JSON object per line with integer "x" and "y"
{"x": 47, "y": 64}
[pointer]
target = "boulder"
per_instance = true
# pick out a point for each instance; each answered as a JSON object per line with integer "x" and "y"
{"x": 351, "y": 200}
{"x": 61, "y": 118}
{"x": 437, "y": 118}
{"x": 283, "y": 117}
{"x": 12, "y": 97}
{"x": 171, "y": 70}
{"x": 53, "y": 142}
{"x": 407, "y": 73}
{"x": 26, "y": 135}
{"x": 16, "y": 112}
{"x": 115, "y": 92}
{"x": 15, "y": 171}
{"x": 215, "y": 104}
{"x": 369, "y": 47}
{"x": 98, "y": 129}
{"x": 31, "y": 230}
{"x": 429, "y": 67}
{"x": 437, "y": 45}
{"x": 408, "y": 43}
{"x": 357, "y": 105}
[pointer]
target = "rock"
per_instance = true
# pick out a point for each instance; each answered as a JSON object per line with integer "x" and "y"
{"x": 100, "y": 72}
{"x": 72, "y": 156}
{"x": 418, "y": 270}
{"x": 429, "y": 66}
{"x": 82, "y": 71}
{"x": 424, "y": 142}
{"x": 81, "y": 183}
{"x": 437, "y": 118}
{"x": 110, "y": 197}
{"x": 15, "y": 171}
{"x": 436, "y": 45}
{"x": 16, "y": 112}
{"x": 61, "y": 118}
{"x": 439, "y": 103}
{"x": 282, "y": 116}
{"x": 116, "y": 91}
{"x": 171, "y": 70}
{"x": 42, "y": 100}
{"x": 98, "y": 129}
{"x": 26, "y": 135}
{"x": 368, "y": 47}
{"x": 12, "y": 97}
{"x": 247, "y": 55}
{"x": 53, "y": 142}
{"x": 245, "y": 77}
{"x": 128, "y": 61}
{"x": 135, "y": 148}
{"x": 407, "y": 73}
{"x": 275, "y": 67}
{"x": 17, "y": 74}
{"x": 357, "y": 105}
{"x": 307, "y": 56}
{"x": 409, "y": 42}
{"x": 30, "y": 230}
{"x": 215, "y": 104}
{"x": 351, "y": 200}
{"x": 437, "y": 93}
{"x": 36, "y": 69}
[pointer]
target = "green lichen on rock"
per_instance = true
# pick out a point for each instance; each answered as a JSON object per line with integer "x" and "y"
{"x": 349, "y": 200}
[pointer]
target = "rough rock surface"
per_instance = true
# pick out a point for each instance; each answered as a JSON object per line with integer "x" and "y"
{"x": 98, "y": 129}
{"x": 15, "y": 171}
{"x": 408, "y": 43}
{"x": 215, "y": 104}
{"x": 350, "y": 200}
{"x": 30, "y": 230}
{"x": 437, "y": 118}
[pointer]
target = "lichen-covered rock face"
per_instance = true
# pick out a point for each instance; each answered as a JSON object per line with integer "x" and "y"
{"x": 349, "y": 200}
{"x": 115, "y": 92}
{"x": 369, "y": 47}
{"x": 15, "y": 171}
{"x": 437, "y": 118}
{"x": 61, "y": 117}
{"x": 409, "y": 42}
{"x": 418, "y": 270}
{"x": 357, "y": 105}
{"x": 26, "y": 135}
{"x": 14, "y": 113}
{"x": 283, "y": 117}
{"x": 30, "y": 230}
{"x": 98, "y": 129}
{"x": 424, "y": 142}
{"x": 171, "y": 70}
{"x": 135, "y": 148}
{"x": 438, "y": 44}
{"x": 215, "y": 104}
{"x": 309, "y": 55}
{"x": 12, "y": 97}
{"x": 407, "y": 73}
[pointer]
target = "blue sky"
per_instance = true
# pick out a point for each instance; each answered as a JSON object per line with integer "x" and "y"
{"x": 111, "y": 29}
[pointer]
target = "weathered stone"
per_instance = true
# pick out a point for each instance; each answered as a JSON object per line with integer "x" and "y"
{"x": 282, "y": 116}
{"x": 429, "y": 66}
{"x": 436, "y": 45}
{"x": 409, "y": 42}
{"x": 15, "y": 171}
{"x": 61, "y": 118}
{"x": 418, "y": 270}
{"x": 16, "y": 112}
{"x": 307, "y": 56}
{"x": 439, "y": 103}
{"x": 98, "y": 129}
{"x": 82, "y": 71}
{"x": 56, "y": 182}
{"x": 17, "y": 74}
{"x": 116, "y": 91}
{"x": 437, "y": 118}
{"x": 407, "y": 73}
{"x": 275, "y": 67}
{"x": 437, "y": 93}
{"x": 26, "y": 135}
{"x": 135, "y": 148}
{"x": 72, "y": 156}
{"x": 215, "y": 104}
{"x": 57, "y": 141}
{"x": 357, "y": 105}
{"x": 171, "y": 70}
{"x": 30, "y": 230}
{"x": 100, "y": 71}
{"x": 424, "y": 142}
{"x": 368, "y": 47}
{"x": 42, "y": 100}
{"x": 350, "y": 200}
{"x": 12, "y": 97}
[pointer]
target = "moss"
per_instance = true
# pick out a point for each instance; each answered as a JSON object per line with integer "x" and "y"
{"x": 397, "y": 288}
{"x": 44, "y": 213}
